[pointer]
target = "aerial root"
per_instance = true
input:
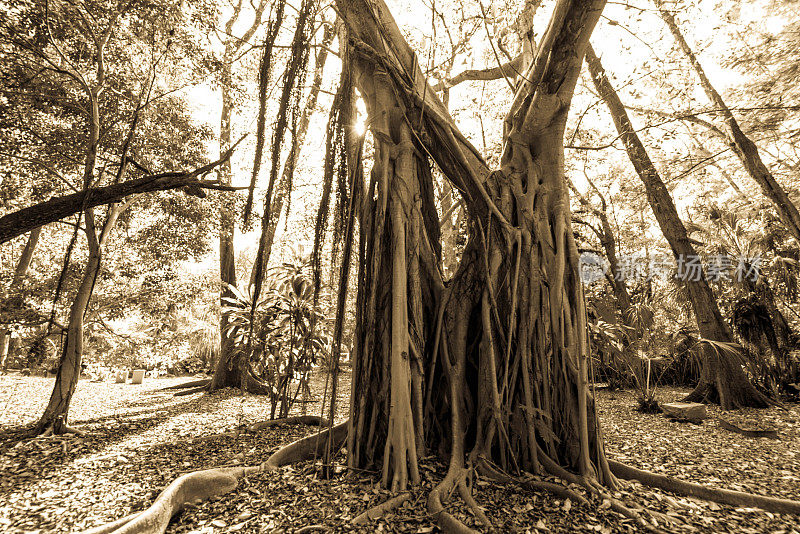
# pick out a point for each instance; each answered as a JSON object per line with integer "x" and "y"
{"x": 378, "y": 510}
{"x": 201, "y": 485}
{"x": 447, "y": 522}
{"x": 688, "y": 489}
{"x": 477, "y": 511}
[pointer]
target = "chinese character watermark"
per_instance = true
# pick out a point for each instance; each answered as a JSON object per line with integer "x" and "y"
{"x": 687, "y": 268}
{"x": 593, "y": 267}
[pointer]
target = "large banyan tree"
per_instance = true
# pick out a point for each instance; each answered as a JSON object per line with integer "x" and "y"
{"x": 487, "y": 370}
{"x": 492, "y": 366}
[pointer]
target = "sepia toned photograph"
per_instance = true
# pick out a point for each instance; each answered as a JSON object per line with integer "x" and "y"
{"x": 399, "y": 266}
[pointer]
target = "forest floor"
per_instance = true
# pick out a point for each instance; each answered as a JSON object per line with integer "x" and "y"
{"x": 140, "y": 439}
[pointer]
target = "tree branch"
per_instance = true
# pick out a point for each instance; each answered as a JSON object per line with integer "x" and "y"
{"x": 26, "y": 219}
{"x": 505, "y": 70}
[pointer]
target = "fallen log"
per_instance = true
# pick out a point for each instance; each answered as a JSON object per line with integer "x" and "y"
{"x": 190, "y": 384}
{"x": 311, "y": 420}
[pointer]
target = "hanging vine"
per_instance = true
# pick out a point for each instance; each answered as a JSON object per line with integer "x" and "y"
{"x": 288, "y": 113}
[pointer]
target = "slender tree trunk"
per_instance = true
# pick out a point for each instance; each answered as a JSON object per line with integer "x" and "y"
{"x": 283, "y": 190}
{"x": 26, "y": 257}
{"x": 723, "y": 379}
{"x": 55, "y": 415}
{"x": 744, "y": 147}
{"x": 605, "y": 234}
{"x": 231, "y": 368}
{"x": 228, "y": 372}
{"x": 69, "y": 368}
{"x": 21, "y": 270}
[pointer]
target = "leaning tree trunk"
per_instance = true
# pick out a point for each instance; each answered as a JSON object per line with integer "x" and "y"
{"x": 723, "y": 379}
{"x": 69, "y": 368}
{"x": 496, "y": 362}
{"x": 21, "y": 270}
{"x": 744, "y": 147}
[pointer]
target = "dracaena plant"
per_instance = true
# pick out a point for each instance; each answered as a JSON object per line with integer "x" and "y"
{"x": 283, "y": 335}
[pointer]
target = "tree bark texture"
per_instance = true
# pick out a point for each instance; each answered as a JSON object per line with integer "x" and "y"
{"x": 228, "y": 372}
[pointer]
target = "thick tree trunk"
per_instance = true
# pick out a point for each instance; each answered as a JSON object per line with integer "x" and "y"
{"x": 400, "y": 285}
{"x": 496, "y": 362}
{"x": 744, "y": 147}
{"x": 723, "y": 379}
